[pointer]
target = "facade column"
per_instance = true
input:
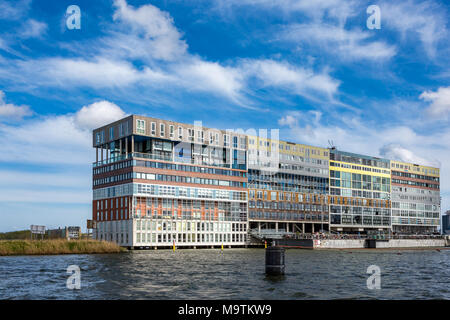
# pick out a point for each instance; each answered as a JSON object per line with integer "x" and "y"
{"x": 126, "y": 147}
{"x": 287, "y": 226}
{"x": 276, "y": 226}
{"x": 132, "y": 144}
{"x": 101, "y": 148}
{"x": 107, "y": 154}
{"x": 96, "y": 154}
{"x": 120, "y": 147}
{"x": 303, "y": 227}
{"x": 259, "y": 226}
{"x": 312, "y": 228}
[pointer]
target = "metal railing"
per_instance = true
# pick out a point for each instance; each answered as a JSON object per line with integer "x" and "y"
{"x": 282, "y": 234}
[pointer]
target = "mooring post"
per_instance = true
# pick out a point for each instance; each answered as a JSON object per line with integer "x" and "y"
{"x": 275, "y": 260}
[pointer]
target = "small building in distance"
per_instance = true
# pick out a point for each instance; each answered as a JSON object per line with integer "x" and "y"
{"x": 446, "y": 223}
{"x": 68, "y": 233}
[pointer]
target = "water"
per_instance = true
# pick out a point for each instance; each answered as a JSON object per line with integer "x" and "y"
{"x": 231, "y": 274}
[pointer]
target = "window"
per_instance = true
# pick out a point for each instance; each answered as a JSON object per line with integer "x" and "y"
{"x": 242, "y": 143}
{"x": 153, "y": 128}
{"x": 111, "y": 133}
{"x": 180, "y": 133}
{"x": 191, "y": 134}
{"x": 162, "y": 128}
{"x": 235, "y": 142}
{"x": 199, "y": 136}
{"x": 226, "y": 141}
{"x": 99, "y": 137}
{"x": 171, "y": 131}
{"x": 140, "y": 126}
{"x": 121, "y": 130}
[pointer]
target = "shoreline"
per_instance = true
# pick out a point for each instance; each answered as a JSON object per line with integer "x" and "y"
{"x": 56, "y": 247}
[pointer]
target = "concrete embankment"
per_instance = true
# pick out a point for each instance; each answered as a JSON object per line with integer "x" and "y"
{"x": 361, "y": 243}
{"x": 391, "y": 243}
{"x": 49, "y": 247}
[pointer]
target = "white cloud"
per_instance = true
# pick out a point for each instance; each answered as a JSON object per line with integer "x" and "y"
{"x": 13, "y": 10}
{"x": 349, "y": 44}
{"x": 211, "y": 76}
{"x": 55, "y": 153}
{"x": 440, "y": 102}
{"x": 301, "y": 81}
{"x": 337, "y": 9}
{"x": 157, "y": 27}
{"x": 10, "y": 111}
{"x": 423, "y": 19}
{"x": 33, "y": 29}
{"x": 64, "y": 139}
{"x": 290, "y": 120}
{"x": 99, "y": 72}
{"x": 397, "y": 152}
{"x": 98, "y": 114}
{"x": 129, "y": 58}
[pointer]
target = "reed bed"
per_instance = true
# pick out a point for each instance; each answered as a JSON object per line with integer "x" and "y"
{"x": 56, "y": 246}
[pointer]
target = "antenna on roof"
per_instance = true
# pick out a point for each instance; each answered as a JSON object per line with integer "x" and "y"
{"x": 331, "y": 144}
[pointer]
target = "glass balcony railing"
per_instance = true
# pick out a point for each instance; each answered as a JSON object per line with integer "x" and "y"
{"x": 112, "y": 160}
{"x": 164, "y": 157}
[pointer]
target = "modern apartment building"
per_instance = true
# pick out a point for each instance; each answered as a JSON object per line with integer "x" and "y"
{"x": 287, "y": 186}
{"x": 446, "y": 223}
{"x": 359, "y": 192}
{"x": 157, "y": 183}
{"x": 415, "y": 198}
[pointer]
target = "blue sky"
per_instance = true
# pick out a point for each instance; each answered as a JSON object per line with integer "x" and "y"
{"x": 311, "y": 69}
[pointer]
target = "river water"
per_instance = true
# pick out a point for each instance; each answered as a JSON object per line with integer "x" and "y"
{"x": 229, "y": 274}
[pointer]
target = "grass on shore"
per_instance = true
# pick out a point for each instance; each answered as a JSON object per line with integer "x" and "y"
{"x": 56, "y": 246}
{"x": 16, "y": 235}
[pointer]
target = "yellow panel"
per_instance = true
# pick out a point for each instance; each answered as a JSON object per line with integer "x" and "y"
{"x": 295, "y": 148}
{"x": 414, "y": 168}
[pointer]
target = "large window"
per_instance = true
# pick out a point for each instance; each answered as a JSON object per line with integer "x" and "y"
{"x": 226, "y": 140}
{"x": 140, "y": 126}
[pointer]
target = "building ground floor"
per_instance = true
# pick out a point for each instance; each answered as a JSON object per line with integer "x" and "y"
{"x": 288, "y": 226}
{"x": 414, "y": 229}
{"x": 148, "y": 232}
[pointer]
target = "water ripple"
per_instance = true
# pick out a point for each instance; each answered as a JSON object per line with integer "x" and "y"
{"x": 229, "y": 274}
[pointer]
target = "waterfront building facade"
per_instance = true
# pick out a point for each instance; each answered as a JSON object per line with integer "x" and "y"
{"x": 359, "y": 194}
{"x": 160, "y": 183}
{"x": 415, "y": 198}
{"x": 287, "y": 186}
{"x": 446, "y": 223}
